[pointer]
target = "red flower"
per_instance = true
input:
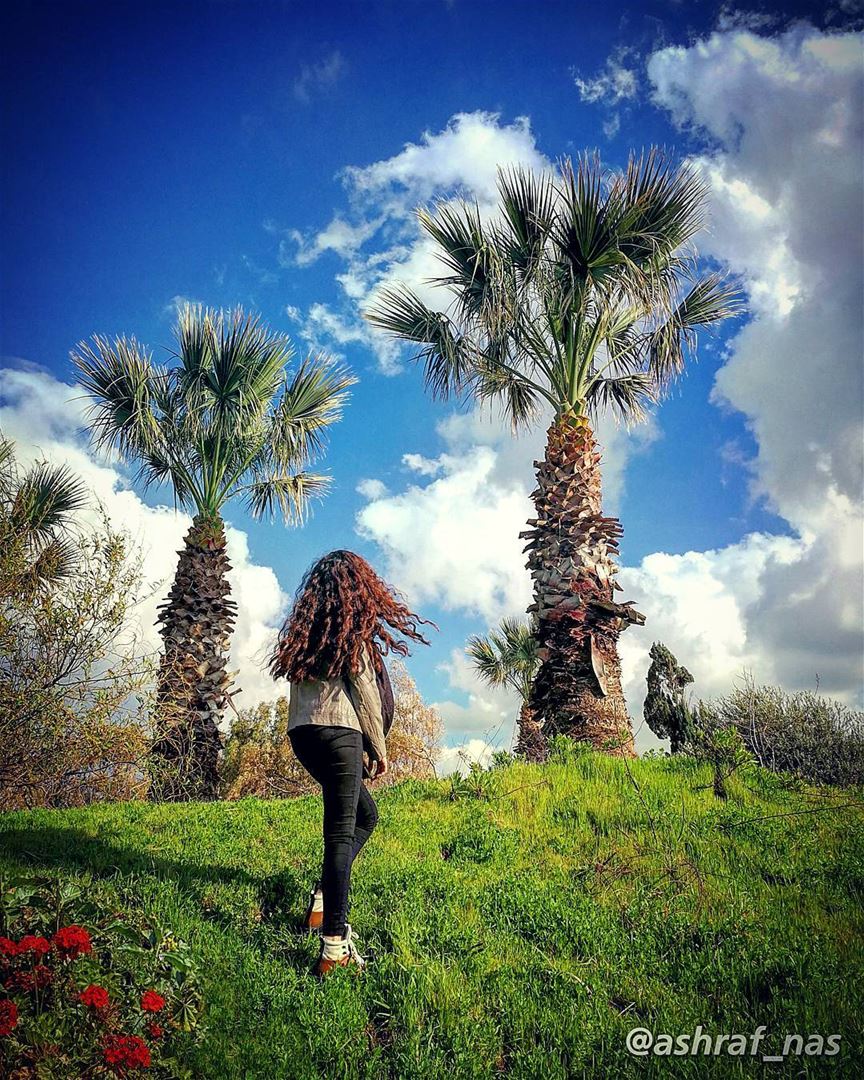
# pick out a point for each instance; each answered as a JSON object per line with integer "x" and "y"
{"x": 156, "y": 1030}
{"x": 8, "y": 1016}
{"x": 72, "y": 941}
{"x": 31, "y": 943}
{"x": 96, "y": 997}
{"x": 127, "y": 1051}
{"x": 152, "y": 1002}
{"x": 8, "y": 948}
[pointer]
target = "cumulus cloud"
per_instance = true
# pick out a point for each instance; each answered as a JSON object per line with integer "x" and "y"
{"x": 45, "y": 418}
{"x": 340, "y": 237}
{"x": 786, "y": 182}
{"x": 378, "y": 238}
{"x": 451, "y": 537}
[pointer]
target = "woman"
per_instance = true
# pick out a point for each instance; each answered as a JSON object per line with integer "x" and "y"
{"x": 340, "y": 709}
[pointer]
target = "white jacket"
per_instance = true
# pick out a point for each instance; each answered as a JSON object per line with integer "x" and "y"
{"x": 350, "y": 702}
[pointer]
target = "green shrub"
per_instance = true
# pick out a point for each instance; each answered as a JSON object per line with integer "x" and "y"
{"x": 803, "y": 733}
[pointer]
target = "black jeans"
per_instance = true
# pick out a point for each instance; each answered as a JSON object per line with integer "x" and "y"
{"x": 334, "y": 757}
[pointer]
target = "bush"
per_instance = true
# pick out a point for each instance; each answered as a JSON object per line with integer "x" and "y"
{"x": 87, "y": 990}
{"x": 258, "y": 758}
{"x": 72, "y": 677}
{"x": 804, "y": 733}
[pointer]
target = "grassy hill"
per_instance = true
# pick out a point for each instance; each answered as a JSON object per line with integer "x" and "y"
{"x": 522, "y": 934}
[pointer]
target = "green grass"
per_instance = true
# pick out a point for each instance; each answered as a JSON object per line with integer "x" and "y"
{"x": 522, "y": 935}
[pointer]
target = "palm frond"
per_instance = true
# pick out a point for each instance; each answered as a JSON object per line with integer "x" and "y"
{"x": 8, "y": 468}
{"x": 288, "y": 495}
{"x": 55, "y": 562}
{"x": 466, "y": 249}
{"x": 625, "y": 396}
{"x": 447, "y": 363}
{"x": 709, "y": 301}
{"x": 45, "y": 499}
{"x": 311, "y": 401}
{"x": 118, "y": 377}
{"x": 506, "y": 655}
{"x": 584, "y": 236}
{"x": 662, "y": 206}
{"x": 487, "y": 660}
{"x": 527, "y": 203}
{"x": 196, "y": 338}
{"x": 248, "y": 363}
{"x": 571, "y": 294}
{"x": 518, "y": 396}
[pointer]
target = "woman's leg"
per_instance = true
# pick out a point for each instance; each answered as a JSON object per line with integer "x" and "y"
{"x": 367, "y": 819}
{"x": 334, "y": 757}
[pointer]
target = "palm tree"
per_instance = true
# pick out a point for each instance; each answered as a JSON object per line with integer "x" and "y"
{"x": 579, "y": 295}
{"x": 37, "y": 508}
{"x": 225, "y": 420}
{"x": 508, "y": 656}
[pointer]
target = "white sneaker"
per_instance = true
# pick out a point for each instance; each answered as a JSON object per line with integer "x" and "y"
{"x": 340, "y": 953}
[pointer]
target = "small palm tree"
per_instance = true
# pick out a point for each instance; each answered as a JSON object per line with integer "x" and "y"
{"x": 509, "y": 656}
{"x": 36, "y": 508}
{"x": 579, "y": 295}
{"x": 225, "y": 421}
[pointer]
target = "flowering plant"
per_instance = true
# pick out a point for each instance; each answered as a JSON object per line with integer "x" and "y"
{"x": 88, "y": 990}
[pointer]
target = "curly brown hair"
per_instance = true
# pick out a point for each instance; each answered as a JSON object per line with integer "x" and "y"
{"x": 341, "y": 606}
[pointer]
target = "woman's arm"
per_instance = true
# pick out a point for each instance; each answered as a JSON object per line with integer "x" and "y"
{"x": 366, "y": 700}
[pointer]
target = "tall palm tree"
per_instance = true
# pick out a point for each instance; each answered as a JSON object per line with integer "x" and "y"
{"x": 37, "y": 508}
{"x": 224, "y": 420}
{"x": 580, "y": 294}
{"x": 509, "y": 656}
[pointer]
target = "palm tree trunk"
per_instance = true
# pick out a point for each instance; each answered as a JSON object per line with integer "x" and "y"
{"x": 196, "y": 624}
{"x": 573, "y": 548}
{"x": 531, "y": 742}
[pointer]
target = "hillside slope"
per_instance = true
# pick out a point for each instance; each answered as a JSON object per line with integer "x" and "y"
{"x": 522, "y": 934}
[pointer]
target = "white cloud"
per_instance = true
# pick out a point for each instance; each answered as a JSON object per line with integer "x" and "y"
{"x": 176, "y": 304}
{"x": 423, "y": 465}
{"x": 45, "y": 417}
{"x": 455, "y": 759}
{"x": 617, "y": 82}
{"x": 380, "y": 240}
{"x": 786, "y": 182}
{"x": 700, "y": 605}
{"x": 372, "y": 489}
{"x": 325, "y": 330}
{"x": 320, "y": 76}
{"x": 465, "y": 155}
{"x": 339, "y": 236}
{"x": 613, "y": 87}
{"x": 455, "y": 540}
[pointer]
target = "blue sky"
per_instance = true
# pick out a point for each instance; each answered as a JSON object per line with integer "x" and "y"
{"x": 197, "y": 150}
